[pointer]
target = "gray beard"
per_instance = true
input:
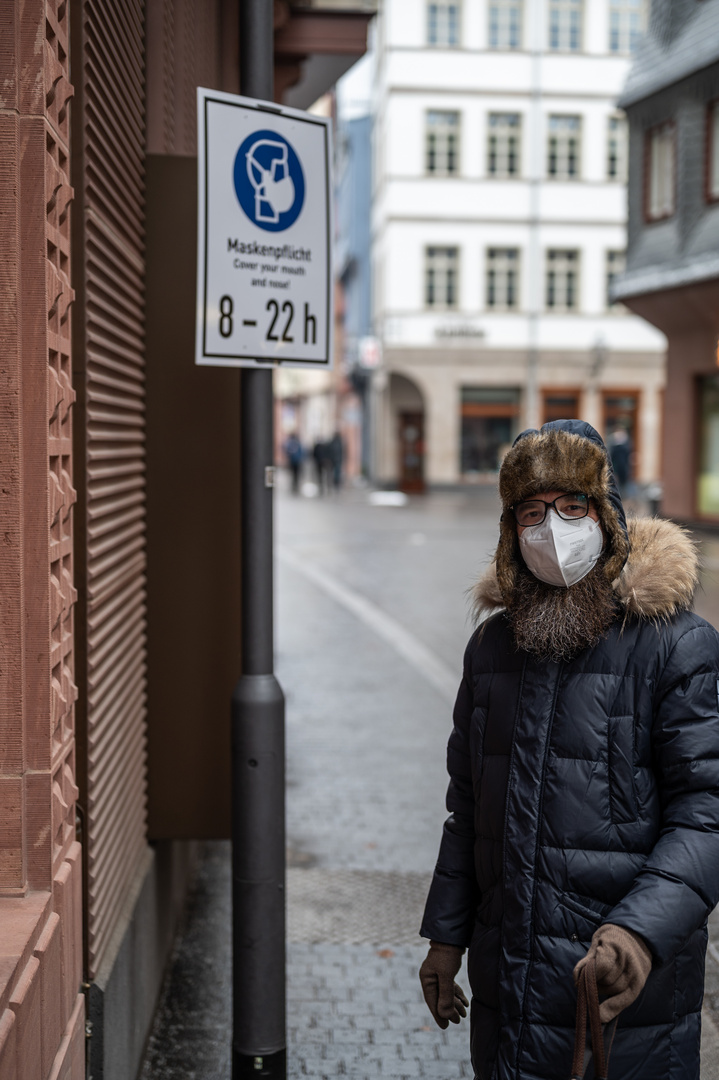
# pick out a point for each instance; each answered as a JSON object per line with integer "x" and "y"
{"x": 556, "y": 623}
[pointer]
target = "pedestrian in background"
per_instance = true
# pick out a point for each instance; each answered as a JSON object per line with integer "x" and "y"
{"x": 584, "y": 781}
{"x": 336, "y": 456}
{"x": 320, "y": 454}
{"x": 294, "y": 455}
{"x": 619, "y": 446}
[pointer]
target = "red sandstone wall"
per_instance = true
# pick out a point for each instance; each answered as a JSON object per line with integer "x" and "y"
{"x": 689, "y": 355}
{"x": 41, "y": 1010}
{"x": 689, "y": 316}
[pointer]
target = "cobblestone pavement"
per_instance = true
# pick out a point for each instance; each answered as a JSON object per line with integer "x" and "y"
{"x": 363, "y": 597}
{"x": 352, "y": 1010}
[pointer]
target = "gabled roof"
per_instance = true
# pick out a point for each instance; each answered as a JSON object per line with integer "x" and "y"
{"x": 683, "y": 38}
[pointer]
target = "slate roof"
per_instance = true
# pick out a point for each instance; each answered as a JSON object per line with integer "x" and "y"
{"x": 652, "y": 279}
{"x": 683, "y": 38}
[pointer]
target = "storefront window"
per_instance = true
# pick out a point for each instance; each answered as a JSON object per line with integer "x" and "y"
{"x": 620, "y": 428}
{"x": 489, "y": 419}
{"x": 708, "y": 479}
{"x": 560, "y": 405}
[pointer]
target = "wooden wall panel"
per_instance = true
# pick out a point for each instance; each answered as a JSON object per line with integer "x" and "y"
{"x": 192, "y": 446}
{"x": 190, "y": 45}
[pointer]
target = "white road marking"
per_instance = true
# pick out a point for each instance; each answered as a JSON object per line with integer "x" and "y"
{"x": 443, "y": 678}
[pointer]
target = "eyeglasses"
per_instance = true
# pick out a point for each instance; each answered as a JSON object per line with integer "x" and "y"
{"x": 533, "y": 511}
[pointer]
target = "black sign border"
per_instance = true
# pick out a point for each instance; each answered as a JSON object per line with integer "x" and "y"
{"x": 251, "y": 361}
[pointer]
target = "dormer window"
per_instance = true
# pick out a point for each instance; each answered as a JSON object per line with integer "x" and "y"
{"x": 712, "y": 192}
{"x": 660, "y": 165}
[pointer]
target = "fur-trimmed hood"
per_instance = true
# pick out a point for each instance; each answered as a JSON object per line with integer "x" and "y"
{"x": 658, "y": 580}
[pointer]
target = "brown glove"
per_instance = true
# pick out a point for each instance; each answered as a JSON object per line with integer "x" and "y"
{"x": 623, "y": 964}
{"x": 445, "y": 1000}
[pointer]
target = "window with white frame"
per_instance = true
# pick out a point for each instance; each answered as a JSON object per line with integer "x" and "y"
{"x": 503, "y": 142}
{"x": 505, "y": 24}
{"x": 661, "y": 166}
{"x": 443, "y": 23}
{"x": 616, "y": 263}
{"x": 564, "y": 147}
{"x": 442, "y": 142}
{"x": 565, "y": 25}
{"x": 441, "y": 277}
{"x": 627, "y": 23}
{"x": 562, "y": 284}
{"x": 713, "y": 152}
{"x": 502, "y": 292}
{"x": 617, "y": 147}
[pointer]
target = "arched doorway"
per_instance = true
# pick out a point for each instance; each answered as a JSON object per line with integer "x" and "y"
{"x": 407, "y": 410}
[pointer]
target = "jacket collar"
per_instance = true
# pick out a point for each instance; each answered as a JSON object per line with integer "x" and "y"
{"x": 658, "y": 580}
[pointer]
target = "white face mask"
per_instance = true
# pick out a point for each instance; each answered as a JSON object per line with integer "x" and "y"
{"x": 562, "y": 552}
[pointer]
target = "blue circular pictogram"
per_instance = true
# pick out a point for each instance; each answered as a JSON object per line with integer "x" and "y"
{"x": 269, "y": 182}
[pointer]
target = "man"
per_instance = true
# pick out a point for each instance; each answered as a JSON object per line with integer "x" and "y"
{"x": 619, "y": 446}
{"x": 335, "y": 451}
{"x": 584, "y": 781}
{"x": 294, "y": 454}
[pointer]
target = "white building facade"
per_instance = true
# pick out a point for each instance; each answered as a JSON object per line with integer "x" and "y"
{"x": 499, "y": 222}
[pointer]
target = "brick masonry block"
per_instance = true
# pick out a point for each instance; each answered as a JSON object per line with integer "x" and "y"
{"x": 38, "y": 803}
{"x": 30, "y": 60}
{"x": 8, "y": 56}
{"x": 25, "y": 1002}
{"x": 58, "y": 88}
{"x": 23, "y": 919}
{"x": 8, "y": 1046}
{"x": 67, "y": 896}
{"x": 69, "y": 1063}
{"x": 74, "y": 860}
{"x": 48, "y": 952}
{"x": 11, "y": 755}
{"x": 11, "y": 847}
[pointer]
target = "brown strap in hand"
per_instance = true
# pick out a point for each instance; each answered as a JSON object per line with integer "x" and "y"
{"x": 588, "y": 1009}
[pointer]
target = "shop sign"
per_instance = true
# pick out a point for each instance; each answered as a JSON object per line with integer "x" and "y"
{"x": 459, "y": 331}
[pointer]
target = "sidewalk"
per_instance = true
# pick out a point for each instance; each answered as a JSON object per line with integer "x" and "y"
{"x": 353, "y": 1010}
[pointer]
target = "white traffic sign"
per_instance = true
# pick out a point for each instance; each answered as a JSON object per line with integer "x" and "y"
{"x": 264, "y": 268}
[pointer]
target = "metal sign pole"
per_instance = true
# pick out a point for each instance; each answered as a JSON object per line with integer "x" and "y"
{"x": 258, "y": 754}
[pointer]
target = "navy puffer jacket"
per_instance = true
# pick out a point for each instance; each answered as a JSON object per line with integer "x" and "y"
{"x": 582, "y": 793}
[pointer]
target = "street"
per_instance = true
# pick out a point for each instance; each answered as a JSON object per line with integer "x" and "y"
{"x": 373, "y": 614}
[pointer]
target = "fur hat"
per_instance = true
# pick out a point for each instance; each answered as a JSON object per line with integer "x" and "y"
{"x": 565, "y": 455}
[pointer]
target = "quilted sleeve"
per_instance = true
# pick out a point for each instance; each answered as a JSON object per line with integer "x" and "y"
{"x": 453, "y": 895}
{"x": 679, "y": 884}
